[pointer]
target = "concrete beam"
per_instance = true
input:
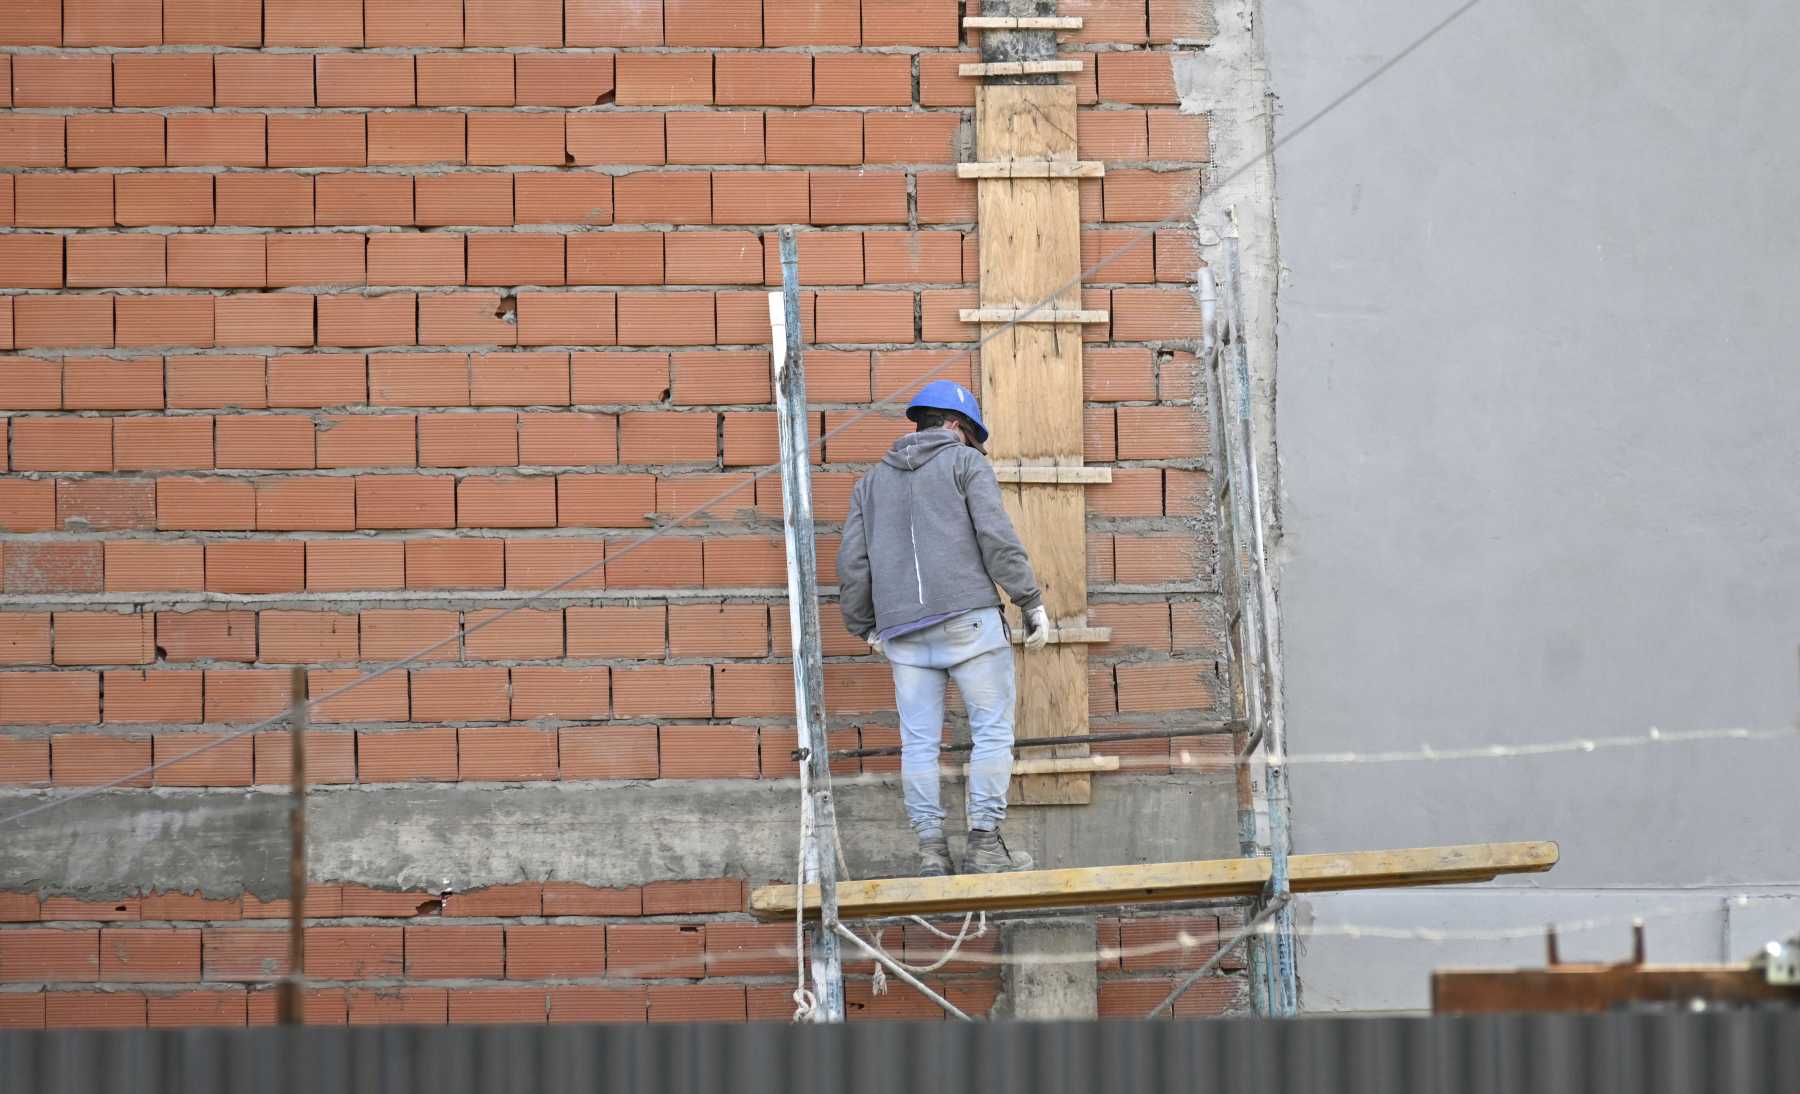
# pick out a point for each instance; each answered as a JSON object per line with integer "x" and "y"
{"x": 466, "y": 837}
{"x": 1063, "y": 984}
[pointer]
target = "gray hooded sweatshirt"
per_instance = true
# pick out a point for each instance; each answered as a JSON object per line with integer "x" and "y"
{"x": 927, "y": 535}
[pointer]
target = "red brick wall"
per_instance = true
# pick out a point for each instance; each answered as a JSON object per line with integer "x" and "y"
{"x": 325, "y": 319}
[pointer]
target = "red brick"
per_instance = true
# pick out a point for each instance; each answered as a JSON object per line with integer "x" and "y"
{"x": 362, "y": 199}
{"x": 210, "y": 504}
{"x": 520, "y": 379}
{"x": 417, "y": 136}
{"x": 616, "y": 258}
{"x": 566, "y": 693}
{"x": 324, "y": 140}
{"x": 34, "y": 23}
{"x": 693, "y": 897}
{"x": 327, "y": 258}
{"x": 330, "y": 758}
{"x": 405, "y": 501}
{"x": 1133, "y": 492}
{"x": 567, "y": 439}
{"x": 647, "y": 564}
{"x": 312, "y": 22}
{"x": 1137, "y": 77}
{"x": 375, "y": 699}
{"x": 344, "y": 566}
{"x": 515, "y": 258}
{"x": 193, "y": 1009}
{"x": 175, "y": 79}
{"x": 921, "y": 23}
{"x": 862, "y": 440}
{"x": 911, "y": 138}
{"x": 84, "y": 760}
{"x": 166, "y": 444}
{"x": 109, "y": 384}
{"x": 868, "y": 316}
{"x": 715, "y": 137}
{"x": 418, "y": 380}
{"x": 738, "y": 376}
{"x": 673, "y": 318}
{"x": 460, "y": 695}
{"x": 591, "y": 1004}
{"x": 427, "y": 755}
{"x": 826, "y": 258}
{"x": 907, "y": 257}
{"x": 555, "y": 952}
{"x": 506, "y": 139}
{"x": 456, "y": 564}
{"x": 513, "y": 22}
{"x": 506, "y": 502}
{"x": 40, "y": 954}
{"x": 468, "y": 79}
{"x": 655, "y": 951}
{"x": 74, "y": 909}
{"x": 709, "y": 752}
{"x": 138, "y": 696}
{"x": 103, "y": 638}
{"x": 605, "y": 752}
{"x": 660, "y": 79}
{"x": 354, "y": 953}
{"x": 749, "y": 949}
{"x": 862, "y": 197}
{"x": 682, "y": 691}
{"x": 454, "y": 953}
{"x": 188, "y": 906}
{"x": 31, "y": 140}
{"x": 206, "y": 635}
{"x": 273, "y": 319}
{"x": 415, "y": 259}
{"x": 69, "y": 201}
{"x": 484, "y": 199}
{"x": 363, "y": 79}
{"x": 823, "y": 137}
{"x": 1151, "y": 560}
{"x": 863, "y": 79}
{"x": 212, "y": 22}
{"x": 945, "y": 199}
{"x": 27, "y": 763}
{"x": 467, "y": 318}
{"x": 398, "y": 1006}
{"x": 199, "y": 383}
{"x": 763, "y": 79}
{"x": 27, "y": 505}
{"x": 500, "y": 1006}
{"x": 279, "y": 199}
{"x": 62, "y": 444}
{"x": 1177, "y": 256}
{"x": 31, "y": 261}
{"x": 582, "y": 319}
{"x": 96, "y": 261}
{"x": 697, "y": 1003}
{"x": 25, "y": 638}
{"x": 263, "y": 79}
{"x": 563, "y": 79}
{"x": 176, "y": 199}
{"x": 93, "y": 1010}
{"x": 1162, "y": 432}
{"x": 116, "y": 140}
{"x": 137, "y": 956}
{"x": 22, "y": 1010}
{"x": 413, "y": 22}
{"x": 256, "y": 567}
{"x": 655, "y": 197}
{"x": 216, "y": 140}
{"x": 388, "y": 320}
{"x": 506, "y": 754}
{"x": 563, "y": 563}
{"x": 1178, "y": 136}
{"x": 62, "y": 321}
{"x": 757, "y": 197}
{"x": 616, "y": 631}
{"x": 163, "y": 321}
{"x": 1112, "y": 135}
{"x": 53, "y": 568}
{"x": 1134, "y": 195}
{"x": 160, "y": 567}
{"x": 305, "y": 637}
{"x": 555, "y": 198}
{"x": 306, "y": 504}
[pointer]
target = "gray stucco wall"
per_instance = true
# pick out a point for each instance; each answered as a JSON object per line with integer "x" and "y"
{"x": 1538, "y": 421}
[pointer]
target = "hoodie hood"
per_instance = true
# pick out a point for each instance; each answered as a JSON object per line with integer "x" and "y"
{"x": 915, "y": 450}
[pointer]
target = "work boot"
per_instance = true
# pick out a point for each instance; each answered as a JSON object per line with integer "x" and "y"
{"x": 934, "y": 857}
{"x": 986, "y": 853}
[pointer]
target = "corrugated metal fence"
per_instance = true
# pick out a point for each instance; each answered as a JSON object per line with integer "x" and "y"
{"x": 1528, "y": 1054}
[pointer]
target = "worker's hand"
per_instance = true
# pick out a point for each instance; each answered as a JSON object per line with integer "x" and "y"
{"x": 1037, "y": 628}
{"x": 876, "y": 644}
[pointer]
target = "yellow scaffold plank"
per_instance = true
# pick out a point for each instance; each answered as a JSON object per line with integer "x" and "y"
{"x": 1105, "y": 886}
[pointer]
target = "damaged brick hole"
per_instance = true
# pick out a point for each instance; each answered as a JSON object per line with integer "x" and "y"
{"x": 434, "y": 906}
{"x": 508, "y": 311}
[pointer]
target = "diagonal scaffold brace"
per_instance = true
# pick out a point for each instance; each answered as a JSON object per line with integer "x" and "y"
{"x": 818, "y": 813}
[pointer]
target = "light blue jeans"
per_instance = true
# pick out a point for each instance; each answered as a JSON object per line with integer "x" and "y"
{"x": 973, "y": 650}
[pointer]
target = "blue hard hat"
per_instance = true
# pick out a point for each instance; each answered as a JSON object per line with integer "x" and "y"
{"x": 949, "y": 395}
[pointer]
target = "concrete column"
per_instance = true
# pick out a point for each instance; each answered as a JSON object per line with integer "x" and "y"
{"x": 1063, "y": 984}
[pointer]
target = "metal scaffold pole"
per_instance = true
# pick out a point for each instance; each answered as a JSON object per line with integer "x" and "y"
{"x": 818, "y": 814}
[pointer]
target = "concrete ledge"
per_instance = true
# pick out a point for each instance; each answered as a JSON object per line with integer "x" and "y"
{"x": 458, "y": 837}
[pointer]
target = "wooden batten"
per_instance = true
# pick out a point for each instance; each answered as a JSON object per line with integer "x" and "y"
{"x": 1032, "y": 169}
{"x": 1026, "y": 315}
{"x": 1164, "y": 882}
{"x": 1017, "y": 68}
{"x": 1022, "y": 22}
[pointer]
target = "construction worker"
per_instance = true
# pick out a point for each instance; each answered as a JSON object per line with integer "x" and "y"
{"x": 926, "y": 541}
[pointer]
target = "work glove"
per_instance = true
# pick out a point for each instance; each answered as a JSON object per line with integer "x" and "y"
{"x": 1037, "y": 628}
{"x": 876, "y": 644}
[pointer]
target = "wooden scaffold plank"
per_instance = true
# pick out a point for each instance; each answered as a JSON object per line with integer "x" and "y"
{"x": 1163, "y": 882}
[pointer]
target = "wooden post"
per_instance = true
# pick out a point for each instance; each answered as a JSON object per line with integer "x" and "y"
{"x": 293, "y": 1008}
{"x": 818, "y": 822}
